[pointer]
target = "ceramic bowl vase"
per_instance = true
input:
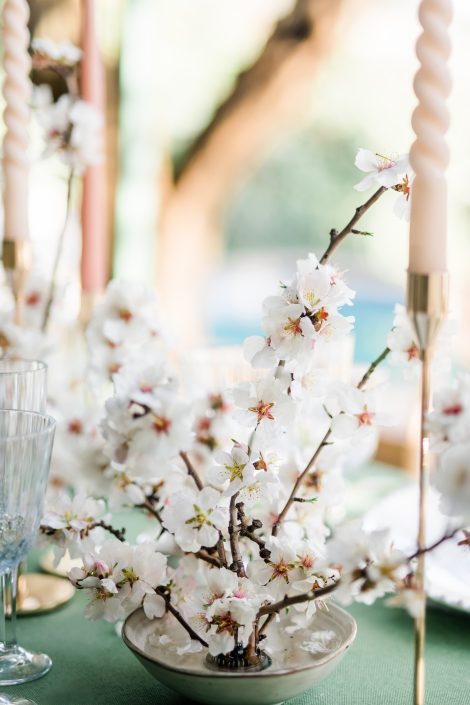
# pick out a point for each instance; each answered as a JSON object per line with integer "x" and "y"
{"x": 286, "y": 678}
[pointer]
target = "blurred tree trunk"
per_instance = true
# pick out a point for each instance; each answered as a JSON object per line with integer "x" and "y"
{"x": 267, "y": 99}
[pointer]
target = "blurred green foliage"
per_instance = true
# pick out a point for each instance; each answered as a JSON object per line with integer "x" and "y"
{"x": 300, "y": 191}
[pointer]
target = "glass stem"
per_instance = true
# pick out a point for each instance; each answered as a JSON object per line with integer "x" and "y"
{"x": 3, "y": 607}
{"x": 8, "y": 619}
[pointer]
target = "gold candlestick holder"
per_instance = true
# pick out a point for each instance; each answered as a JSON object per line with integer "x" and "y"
{"x": 427, "y": 296}
{"x": 16, "y": 257}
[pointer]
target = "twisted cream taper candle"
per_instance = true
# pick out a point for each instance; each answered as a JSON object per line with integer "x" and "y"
{"x": 429, "y": 154}
{"x": 17, "y": 93}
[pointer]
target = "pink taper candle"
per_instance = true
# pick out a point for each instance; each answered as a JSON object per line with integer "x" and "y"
{"x": 17, "y": 93}
{"x": 429, "y": 154}
{"x": 94, "y": 264}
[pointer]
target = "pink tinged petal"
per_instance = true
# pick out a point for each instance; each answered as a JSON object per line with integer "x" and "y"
{"x": 54, "y": 521}
{"x": 388, "y": 177}
{"x": 208, "y": 497}
{"x": 187, "y": 540}
{"x": 366, "y": 182}
{"x": 220, "y": 644}
{"x": 219, "y": 518}
{"x": 154, "y": 606}
{"x": 108, "y": 585}
{"x": 366, "y": 160}
{"x": 207, "y": 536}
{"x": 259, "y": 572}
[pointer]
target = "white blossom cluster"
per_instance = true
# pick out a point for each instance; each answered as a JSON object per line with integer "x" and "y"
{"x": 305, "y": 315}
{"x": 25, "y": 340}
{"x": 124, "y": 330}
{"x": 245, "y": 484}
{"x": 387, "y": 172}
{"x": 449, "y": 424}
{"x": 72, "y": 129}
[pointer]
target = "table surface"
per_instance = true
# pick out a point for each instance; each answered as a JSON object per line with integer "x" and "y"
{"x": 93, "y": 667}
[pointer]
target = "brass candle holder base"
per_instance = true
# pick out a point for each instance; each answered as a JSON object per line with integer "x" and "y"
{"x": 39, "y": 593}
{"x": 16, "y": 257}
{"x": 427, "y": 305}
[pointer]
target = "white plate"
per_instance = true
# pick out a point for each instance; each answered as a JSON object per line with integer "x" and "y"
{"x": 448, "y": 566}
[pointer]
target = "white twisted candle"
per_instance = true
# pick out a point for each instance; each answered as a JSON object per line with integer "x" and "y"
{"x": 17, "y": 93}
{"x": 429, "y": 154}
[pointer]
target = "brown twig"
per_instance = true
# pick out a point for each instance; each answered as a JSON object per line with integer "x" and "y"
{"x": 58, "y": 255}
{"x": 177, "y": 615}
{"x": 292, "y": 497}
{"x": 120, "y": 534}
{"x": 192, "y": 472}
{"x": 296, "y": 600}
{"x": 372, "y": 367}
{"x": 248, "y": 530}
{"x": 336, "y": 238}
{"x": 212, "y": 560}
{"x": 221, "y": 550}
{"x": 298, "y": 483}
{"x": 148, "y": 506}
{"x": 234, "y": 532}
{"x": 434, "y": 545}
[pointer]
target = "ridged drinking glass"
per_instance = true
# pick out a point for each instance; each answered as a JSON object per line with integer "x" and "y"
{"x": 23, "y": 385}
{"x": 26, "y": 440}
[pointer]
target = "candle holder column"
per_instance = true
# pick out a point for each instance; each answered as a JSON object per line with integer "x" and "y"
{"x": 427, "y": 273}
{"x": 427, "y": 307}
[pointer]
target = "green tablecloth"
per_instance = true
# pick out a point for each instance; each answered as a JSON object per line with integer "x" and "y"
{"x": 93, "y": 667}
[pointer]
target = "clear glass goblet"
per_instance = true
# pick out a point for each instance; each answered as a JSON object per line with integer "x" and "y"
{"x": 23, "y": 385}
{"x": 26, "y": 440}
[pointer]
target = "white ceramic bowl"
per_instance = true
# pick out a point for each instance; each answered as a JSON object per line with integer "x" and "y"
{"x": 281, "y": 681}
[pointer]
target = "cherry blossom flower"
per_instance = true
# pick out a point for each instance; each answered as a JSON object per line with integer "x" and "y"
{"x": 289, "y": 330}
{"x": 304, "y": 312}
{"x": 279, "y": 571}
{"x": 263, "y": 404}
{"x": 321, "y": 286}
{"x": 73, "y": 130}
{"x": 259, "y": 352}
{"x": 380, "y": 169}
{"x": 452, "y": 480}
{"x": 79, "y": 458}
{"x": 402, "y": 207}
{"x": 195, "y": 518}
{"x": 359, "y": 413}
{"x": 402, "y": 339}
{"x": 21, "y": 342}
{"x": 229, "y": 621}
{"x": 409, "y": 598}
{"x": 369, "y": 564}
{"x": 449, "y": 421}
{"x": 159, "y": 434}
{"x": 124, "y": 330}
{"x": 234, "y": 468}
{"x": 73, "y": 515}
{"x": 121, "y": 578}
